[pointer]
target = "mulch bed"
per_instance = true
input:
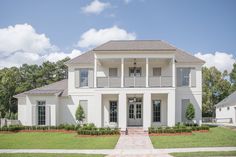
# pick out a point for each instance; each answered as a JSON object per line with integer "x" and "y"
{"x": 201, "y": 131}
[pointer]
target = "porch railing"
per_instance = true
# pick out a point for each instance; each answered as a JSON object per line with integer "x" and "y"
{"x": 108, "y": 82}
{"x": 160, "y": 81}
{"x": 135, "y": 82}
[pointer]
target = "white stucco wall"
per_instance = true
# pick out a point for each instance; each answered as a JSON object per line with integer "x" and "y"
{"x": 226, "y": 113}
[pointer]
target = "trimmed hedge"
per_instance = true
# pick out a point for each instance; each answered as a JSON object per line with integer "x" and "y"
{"x": 177, "y": 129}
{"x": 91, "y": 129}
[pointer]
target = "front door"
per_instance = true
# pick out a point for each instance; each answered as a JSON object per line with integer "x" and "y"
{"x": 135, "y": 114}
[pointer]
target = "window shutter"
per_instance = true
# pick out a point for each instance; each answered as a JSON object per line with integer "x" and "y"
{"x": 90, "y": 78}
{"x": 193, "y": 77}
{"x": 77, "y": 82}
{"x": 34, "y": 115}
{"x": 48, "y": 115}
{"x": 185, "y": 103}
{"x": 179, "y": 77}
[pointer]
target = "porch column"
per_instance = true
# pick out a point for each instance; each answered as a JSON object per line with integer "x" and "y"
{"x": 95, "y": 71}
{"x": 122, "y": 112}
{"x": 97, "y": 110}
{"x": 147, "y": 111}
{"x": 147, "y": 72}
{"x": 173, "y": 72}
{"x": 122, "y": 72}
{"x": 171, "y": 108}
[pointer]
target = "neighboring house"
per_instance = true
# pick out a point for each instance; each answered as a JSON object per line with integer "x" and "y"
{"x": 120, "y": 84}
{"x": 226, "y": 110}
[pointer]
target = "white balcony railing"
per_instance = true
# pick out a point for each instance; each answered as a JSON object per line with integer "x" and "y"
{"x": 108, "y": 82}
{"x": 135, "y": 81}
{"x": 160, "y": 81}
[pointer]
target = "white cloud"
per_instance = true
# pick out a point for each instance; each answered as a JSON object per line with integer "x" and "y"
{"x": 21, "y": 44}
{"x": 127, "y": 1}
{"x": 94, "y": 37}
{"x": 221, "y": 60}
{"x": 55, "y": 56}
{"x": 95, "y": 7}
{"x": 23, "y": 38}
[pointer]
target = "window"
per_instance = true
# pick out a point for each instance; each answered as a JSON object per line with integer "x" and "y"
{"x": 228, "y": 108}
{"x": 41, "y": 112}
{"x": 113, "y": 72}
{"x": 113, "y": 111}
{"x": 183, "y": 76}
{"x": 156, "y": 72}
{"x": 135, "y": 71}
{"x": 83, "y": 77}
{"x": 156, "y": 110}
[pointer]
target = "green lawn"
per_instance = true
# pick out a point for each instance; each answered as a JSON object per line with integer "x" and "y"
{"x": 55, "y": 141}
{"x": 215, "y": 137}
{"x": 48, "y": 155}
{"x": 200, "y": 154}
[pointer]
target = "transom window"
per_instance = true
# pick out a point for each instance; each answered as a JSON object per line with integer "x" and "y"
{"x": 41, "y": 112}
{"x": 113, "y": 72}
{"x": 157, "y": 71}
{"x": 83, "y": 77}
{"x": 135, "y": 71}
{"x": 113, "y": 111}
{"x": 156, "y": 110}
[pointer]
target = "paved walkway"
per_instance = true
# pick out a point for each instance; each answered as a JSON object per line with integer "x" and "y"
{"x": 132, "y": 152}
{"x": 134, "y": 142}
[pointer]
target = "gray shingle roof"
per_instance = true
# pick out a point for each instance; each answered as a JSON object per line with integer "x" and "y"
{"x": 136, "y": 45}
{"x": 228, "y": 101}
{"x": 60, "y": 88}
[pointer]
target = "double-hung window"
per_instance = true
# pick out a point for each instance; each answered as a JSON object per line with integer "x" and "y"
{"x": 113, "y": 72}
{"x": 113, "y": 111}
{"x": 156, "y": 107}
{"x": 183, "y": 76}
{"x": 156, "y": 71}
{"x": 135, "y": 71}
{"x": 83, "y": 77}
{"x": 41, "y": 112}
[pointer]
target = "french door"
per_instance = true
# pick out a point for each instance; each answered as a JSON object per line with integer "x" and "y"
{"x": 135, "y": 114}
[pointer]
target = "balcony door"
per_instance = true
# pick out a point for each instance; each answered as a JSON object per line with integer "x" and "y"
{"x": 135, "y": 117}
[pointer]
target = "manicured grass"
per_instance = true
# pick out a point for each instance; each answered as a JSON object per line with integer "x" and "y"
{"x": 48, "y": 155}
{"x": 200, "y": 154}
{"x": 215, "y": 137}
{"x": 47, "y": 140}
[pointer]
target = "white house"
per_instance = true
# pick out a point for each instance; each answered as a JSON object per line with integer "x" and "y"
{"x": 226, "y": 110}
{"x": 120, "y": 84}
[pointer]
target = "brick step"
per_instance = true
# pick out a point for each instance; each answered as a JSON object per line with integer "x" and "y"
{"x": 136, "y": 131}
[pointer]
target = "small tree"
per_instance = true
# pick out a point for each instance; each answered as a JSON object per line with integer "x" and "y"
{"x": 79, "y": 115}
{"x": 190, "y": 112}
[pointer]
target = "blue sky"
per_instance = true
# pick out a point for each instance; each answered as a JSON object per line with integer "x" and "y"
{"x": 206, "y": 26}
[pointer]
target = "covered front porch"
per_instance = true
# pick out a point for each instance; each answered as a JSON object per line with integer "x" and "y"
{"x": 138, "y": 110}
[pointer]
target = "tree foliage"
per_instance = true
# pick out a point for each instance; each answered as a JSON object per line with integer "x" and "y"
{"x": 17, "y": 80}
{"x": 79, "y": 115}
{"x": 190, "y": 112}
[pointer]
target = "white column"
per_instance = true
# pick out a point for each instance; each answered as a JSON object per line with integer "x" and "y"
{"x": 97, "y": 110}
{"x": 147, "y": 72}
{"x": 171, "y": 108}
{"x": 173, "y": 72}
{"x": 122, "y": 112}
{"x": 147, "y": 110}
{"x": 95, "y": 71}
{"x": 122, "y": 72}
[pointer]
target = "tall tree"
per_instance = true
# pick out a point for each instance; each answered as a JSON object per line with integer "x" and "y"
{"x": 233, "y": 78}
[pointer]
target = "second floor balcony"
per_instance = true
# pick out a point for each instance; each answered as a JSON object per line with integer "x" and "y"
{"x": 134, "y": 73}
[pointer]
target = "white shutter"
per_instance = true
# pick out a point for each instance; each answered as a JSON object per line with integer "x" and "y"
{"x": 48, "y": 115}
{"x": 77, "y": 79}
{"x": 34, "y": 115}
{"x": 90, "y": 77}
{"x": 84, "y": 105}
{"x": 185, "y": 103}
{"x": 193, "y": 77}
{"x": 179, "y": 77}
